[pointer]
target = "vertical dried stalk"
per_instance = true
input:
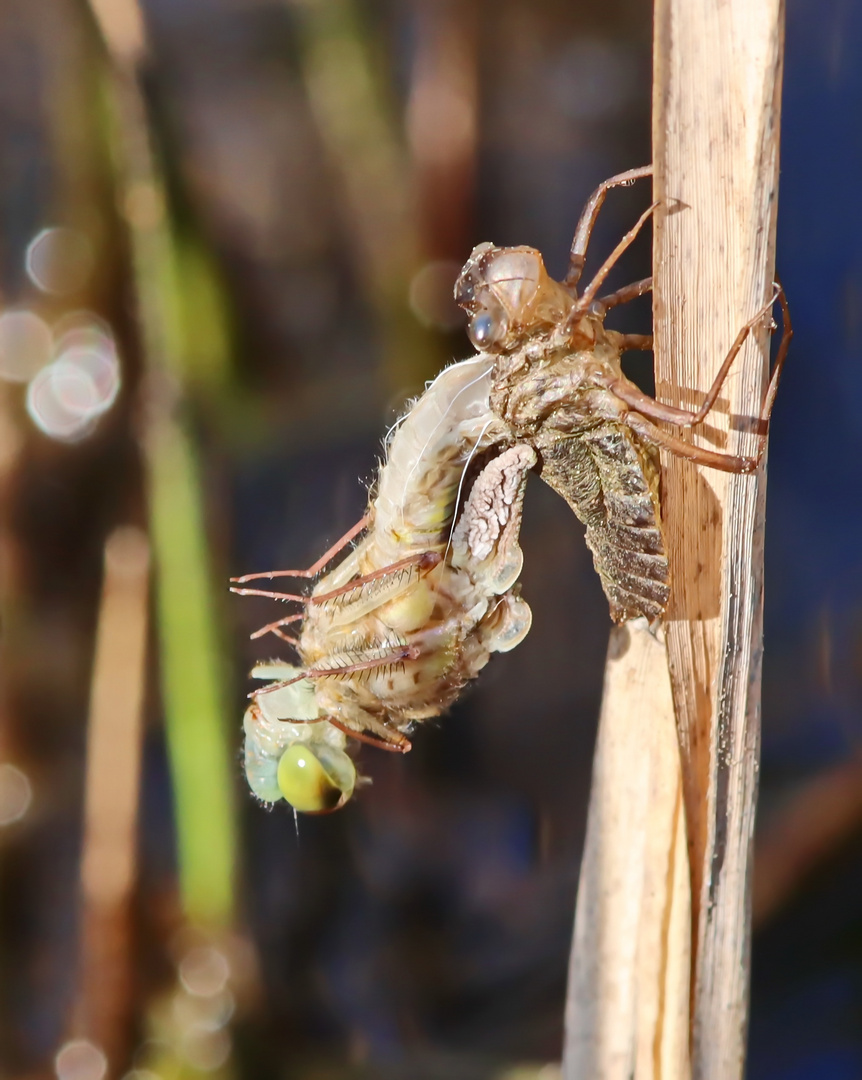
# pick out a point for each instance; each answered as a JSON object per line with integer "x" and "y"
{"x": 717, "y": 83}
{"x": 628, "y": 1006}
{"x": 108, "y": 865}
{"x": 715, "y": 134}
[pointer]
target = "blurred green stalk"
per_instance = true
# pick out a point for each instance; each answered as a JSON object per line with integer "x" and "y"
{"x": 192, "y": 664}
{"x": 192, "y": 667}
{"x": 357, "y": 126}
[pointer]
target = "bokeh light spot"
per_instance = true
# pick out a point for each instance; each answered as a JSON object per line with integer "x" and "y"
{"x": 65, "y": 398}
{"x": 59, "y": 260}
{"x": 206, "y": 1050}
{"x": 80, "y": 1059}
{"x": 100, "y": 365}
{"x": 62, "y": 401}
{"x": 26, "y": 345}
{"x": 431, "y": 299}
{"x": 81, "y": 327}
{"x": 16, "y": 794}
{"x": 204, "y": 971}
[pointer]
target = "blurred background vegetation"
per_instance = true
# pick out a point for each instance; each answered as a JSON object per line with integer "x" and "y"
{"x": 228, "y": 235}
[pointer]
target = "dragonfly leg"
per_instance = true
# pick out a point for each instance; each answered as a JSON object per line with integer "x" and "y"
{"x": 589, "y": 293}
{"x": 732, "y": 463}
{"x": 315, "y": 568}
{"x": 622, "y": 296}
{"x": 397, "y": 655}
{"x": 386, "y": 740}
{"x": 423, "y": 561}
{"x": 274, "y": 628}
{"x": 635, "y": 341}
{"x": 658, "y": 410}
{"x": 578, "y": 254}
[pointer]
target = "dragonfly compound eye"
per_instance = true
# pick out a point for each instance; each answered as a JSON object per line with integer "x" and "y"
{"x": 315, "y": 781}
{"x": 487, "y": 330}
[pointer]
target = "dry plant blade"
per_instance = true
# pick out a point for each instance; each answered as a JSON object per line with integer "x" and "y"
{"x": 628, "y": 1006}
{"x": 715, "y": 132}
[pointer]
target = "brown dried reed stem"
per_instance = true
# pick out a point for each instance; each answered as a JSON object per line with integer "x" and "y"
{"x": 717, "y": 84}
{"x": 716, "y": 110}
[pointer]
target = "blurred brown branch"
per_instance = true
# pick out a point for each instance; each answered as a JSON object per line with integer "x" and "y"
{"x": 109, "y": 854}
{"x": 819, "y": 816}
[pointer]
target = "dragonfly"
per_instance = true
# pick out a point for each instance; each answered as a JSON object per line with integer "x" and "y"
{"x": 411, "y": 613}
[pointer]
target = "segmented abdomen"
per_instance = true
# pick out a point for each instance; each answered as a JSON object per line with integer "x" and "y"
{"x": 417, "y": 489}
{"x": 611, "y": 482}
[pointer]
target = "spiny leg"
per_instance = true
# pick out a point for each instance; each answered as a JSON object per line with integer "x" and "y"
{"x": 423, "y": 561}
{"x": 726, "y": 462}
{"x": 397, "y": 656}
{"x": 658, "y": 410}
{"x": 315, "y": 568}
{"x": 394, "y": 740}
{"x": 587, "y": 220}
{"x": 590, "y": 292}
{"x": 732, "y": 463}
{"x": 297, "y": 597}
{"x": 786, "y": 337}
{"x": 273, "y": 627}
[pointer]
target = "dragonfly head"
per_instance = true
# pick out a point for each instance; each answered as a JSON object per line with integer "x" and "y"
{"x": 315, "y": 779}
{"x": 290, "y": 753}
{"x": 509, "y": 296}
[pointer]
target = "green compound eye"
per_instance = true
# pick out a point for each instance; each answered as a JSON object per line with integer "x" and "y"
{"x": 316, "y": 781}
